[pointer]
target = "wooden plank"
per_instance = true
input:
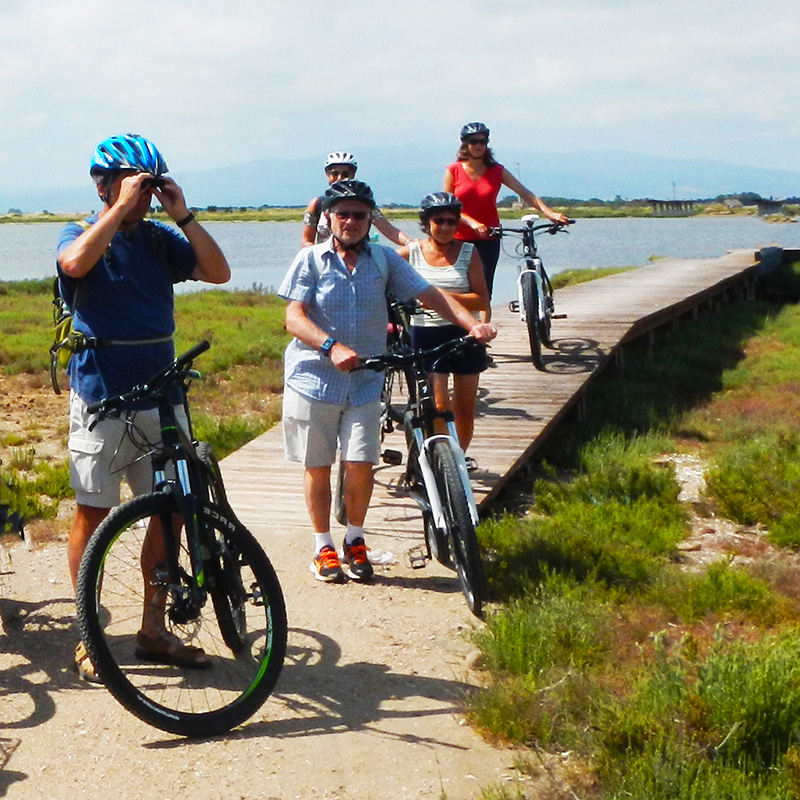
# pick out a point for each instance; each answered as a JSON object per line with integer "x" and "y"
{"x": 518, "y": 405}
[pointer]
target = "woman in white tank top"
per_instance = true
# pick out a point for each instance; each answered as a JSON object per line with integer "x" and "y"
{"x": 456, "y": 268}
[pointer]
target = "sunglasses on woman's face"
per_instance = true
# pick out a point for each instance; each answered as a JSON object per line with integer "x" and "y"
{"x": 358, "y": 216}
{"x": 444, "y": 220}
{"x": 478, "y": 140}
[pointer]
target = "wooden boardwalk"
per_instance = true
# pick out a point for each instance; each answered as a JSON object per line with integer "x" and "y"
{"x": 518, "y": 405}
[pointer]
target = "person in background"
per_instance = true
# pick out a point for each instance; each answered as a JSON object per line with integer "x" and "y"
{"x": 475, "y": 179}
{"x": 117, "y": 270}
{"x": 336, "y": 312}
{"x": 342, "y": 166}
{"x": 454, "y": 267}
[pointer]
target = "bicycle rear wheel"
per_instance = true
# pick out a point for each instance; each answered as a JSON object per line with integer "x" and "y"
{"x": 530, "y": 303}
{"x": 246, "y": 659}
{"x": 460, "y": 529}
{"x": 339, "y": 507}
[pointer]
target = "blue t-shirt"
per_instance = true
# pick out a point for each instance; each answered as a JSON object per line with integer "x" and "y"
{"x": 126, "y": 296}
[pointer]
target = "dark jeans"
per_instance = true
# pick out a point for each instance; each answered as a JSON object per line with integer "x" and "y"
{"x": 489, "y": 251}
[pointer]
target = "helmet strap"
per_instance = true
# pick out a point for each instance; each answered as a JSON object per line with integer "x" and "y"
{"x": 349, "y": 248}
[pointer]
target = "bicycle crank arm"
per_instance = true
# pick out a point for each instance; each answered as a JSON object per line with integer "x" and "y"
{"x": 559, "y": 316}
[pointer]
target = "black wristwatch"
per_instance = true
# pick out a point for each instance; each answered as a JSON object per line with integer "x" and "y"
{"x": 327, "y": 346}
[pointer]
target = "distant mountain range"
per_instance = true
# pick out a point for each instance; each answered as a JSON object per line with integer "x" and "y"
{"x": 405, "y": 173}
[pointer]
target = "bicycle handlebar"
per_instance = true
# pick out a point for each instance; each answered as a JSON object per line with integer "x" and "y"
{"x": 174, "y": 373}
{"x": 410, "y": 357}
{"x": 551, "y": 227}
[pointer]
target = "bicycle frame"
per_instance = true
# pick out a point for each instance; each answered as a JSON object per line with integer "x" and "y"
{"x": 418, "y": 419}
{"x": 532, "y": 263}
{"x": 178, "y": 449}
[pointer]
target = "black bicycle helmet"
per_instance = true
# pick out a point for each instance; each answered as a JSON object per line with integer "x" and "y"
{"x": 438, "y": 201}
{"x": 347, "y": 190}
{"x": 474, "y": 129}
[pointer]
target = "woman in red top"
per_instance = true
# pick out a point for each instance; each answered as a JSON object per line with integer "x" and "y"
{"x": 475, "y": 179}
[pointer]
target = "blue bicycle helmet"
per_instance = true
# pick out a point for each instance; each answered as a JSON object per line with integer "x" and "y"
{"x": 437, "y": 201}
{"x": 347, "y": 190}
{"x": 474, "y": 129}
{"x": 127, "y": 151}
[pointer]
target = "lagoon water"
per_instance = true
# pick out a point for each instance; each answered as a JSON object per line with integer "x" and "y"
{"x": 260, "y": 252}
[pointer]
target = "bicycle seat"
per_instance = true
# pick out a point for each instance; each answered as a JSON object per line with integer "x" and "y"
{"x": 529, "y": 218}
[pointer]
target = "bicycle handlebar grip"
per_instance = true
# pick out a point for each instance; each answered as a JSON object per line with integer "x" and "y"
{"x": 191, "y": 354}
{"x": 93, "y": 408}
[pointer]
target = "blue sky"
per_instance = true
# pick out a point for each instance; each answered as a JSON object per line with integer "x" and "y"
{"x": 221, "y": 83}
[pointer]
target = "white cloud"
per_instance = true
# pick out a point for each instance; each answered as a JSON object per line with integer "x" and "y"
{"x": 222, "y": 83}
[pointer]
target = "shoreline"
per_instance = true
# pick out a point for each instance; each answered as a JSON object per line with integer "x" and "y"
{"x": 295, "y": 214}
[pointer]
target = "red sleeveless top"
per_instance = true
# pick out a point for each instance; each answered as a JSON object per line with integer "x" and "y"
{"x": 479, "y": 198}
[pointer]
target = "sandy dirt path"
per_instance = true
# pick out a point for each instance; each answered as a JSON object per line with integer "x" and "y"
{"x": 368, "y": 705}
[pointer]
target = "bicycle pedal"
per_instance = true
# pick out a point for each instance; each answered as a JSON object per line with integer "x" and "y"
{"x": 417, "y": 558}
{"x": 559, "y": 316}
{"x": 392, "y": 457}
{"x": 513, "y": 306}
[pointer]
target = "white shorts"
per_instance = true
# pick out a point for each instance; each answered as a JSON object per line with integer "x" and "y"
{"x": 101, "y": 457}
{"x": 313, "y": 430}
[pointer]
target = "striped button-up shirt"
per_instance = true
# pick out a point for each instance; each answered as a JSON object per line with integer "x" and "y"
{"x": 350, "y": 307}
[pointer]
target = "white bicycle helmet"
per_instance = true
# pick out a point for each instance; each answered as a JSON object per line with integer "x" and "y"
{"x": 341, "y": 157}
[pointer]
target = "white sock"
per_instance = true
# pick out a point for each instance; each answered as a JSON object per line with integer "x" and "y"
{"x": 323, "y": 540}
{"x": 353, "y": 532}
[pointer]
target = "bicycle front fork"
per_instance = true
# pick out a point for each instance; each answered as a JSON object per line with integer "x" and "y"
{"x": 424, "y": 449}
{"x": 534, "y": 267}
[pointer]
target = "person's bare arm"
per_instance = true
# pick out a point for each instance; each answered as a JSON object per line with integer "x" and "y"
{"x": 87, "y": 249}
{"x": 212, "y": 266}
{"x": 531, "y": 199}
{"x": 454, "y": 312}
{"x": 301, "y": 327}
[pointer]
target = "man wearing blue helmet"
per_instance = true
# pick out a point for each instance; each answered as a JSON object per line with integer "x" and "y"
{"x": 117, "y": 271}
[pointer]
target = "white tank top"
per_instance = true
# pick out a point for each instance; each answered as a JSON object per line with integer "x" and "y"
{"x": 453, "y": 278}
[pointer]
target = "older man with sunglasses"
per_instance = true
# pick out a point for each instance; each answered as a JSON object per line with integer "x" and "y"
{"x": 336, "y": 312}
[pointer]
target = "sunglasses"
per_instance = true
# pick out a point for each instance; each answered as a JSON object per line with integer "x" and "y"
{"x": 340, "y": 175}
{"x": 478, "y": 140}
{"x": 153, "y": 183}
{"x": 444, "y": 220}
{"x": 358, "y": 216}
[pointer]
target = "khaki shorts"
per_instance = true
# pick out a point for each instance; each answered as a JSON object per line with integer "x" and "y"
{"x": 101, "y": 457}
{"x": 313, "y": 430}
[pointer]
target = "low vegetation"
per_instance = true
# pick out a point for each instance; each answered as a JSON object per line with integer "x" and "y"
{"x": 660, "y": 681}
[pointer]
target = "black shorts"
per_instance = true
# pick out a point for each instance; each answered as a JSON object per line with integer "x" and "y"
{"x": 470, "y": 360}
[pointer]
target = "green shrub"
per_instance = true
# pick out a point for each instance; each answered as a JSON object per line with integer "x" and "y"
{"x": 719, "y": 590}
{"x": 757, "y": 480}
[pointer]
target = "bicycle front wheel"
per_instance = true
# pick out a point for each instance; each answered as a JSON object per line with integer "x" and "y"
{"x": 246, "y": 651}
{"x": 530, "y": 303}
{"x": 460, "y": 528}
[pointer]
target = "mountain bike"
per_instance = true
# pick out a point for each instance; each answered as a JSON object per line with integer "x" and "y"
{"x": 180, "y": 555}
{"x": 534, "y": 291}
{"x": 436, "y": 471}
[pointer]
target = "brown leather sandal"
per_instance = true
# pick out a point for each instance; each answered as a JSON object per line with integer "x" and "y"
{"x": 83, "y": 665}
{"x": 166, "y": 648}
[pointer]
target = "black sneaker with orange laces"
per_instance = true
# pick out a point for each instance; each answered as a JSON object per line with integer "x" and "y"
{"x": 326, "y": 566}
{"x": 357, "y": 560}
